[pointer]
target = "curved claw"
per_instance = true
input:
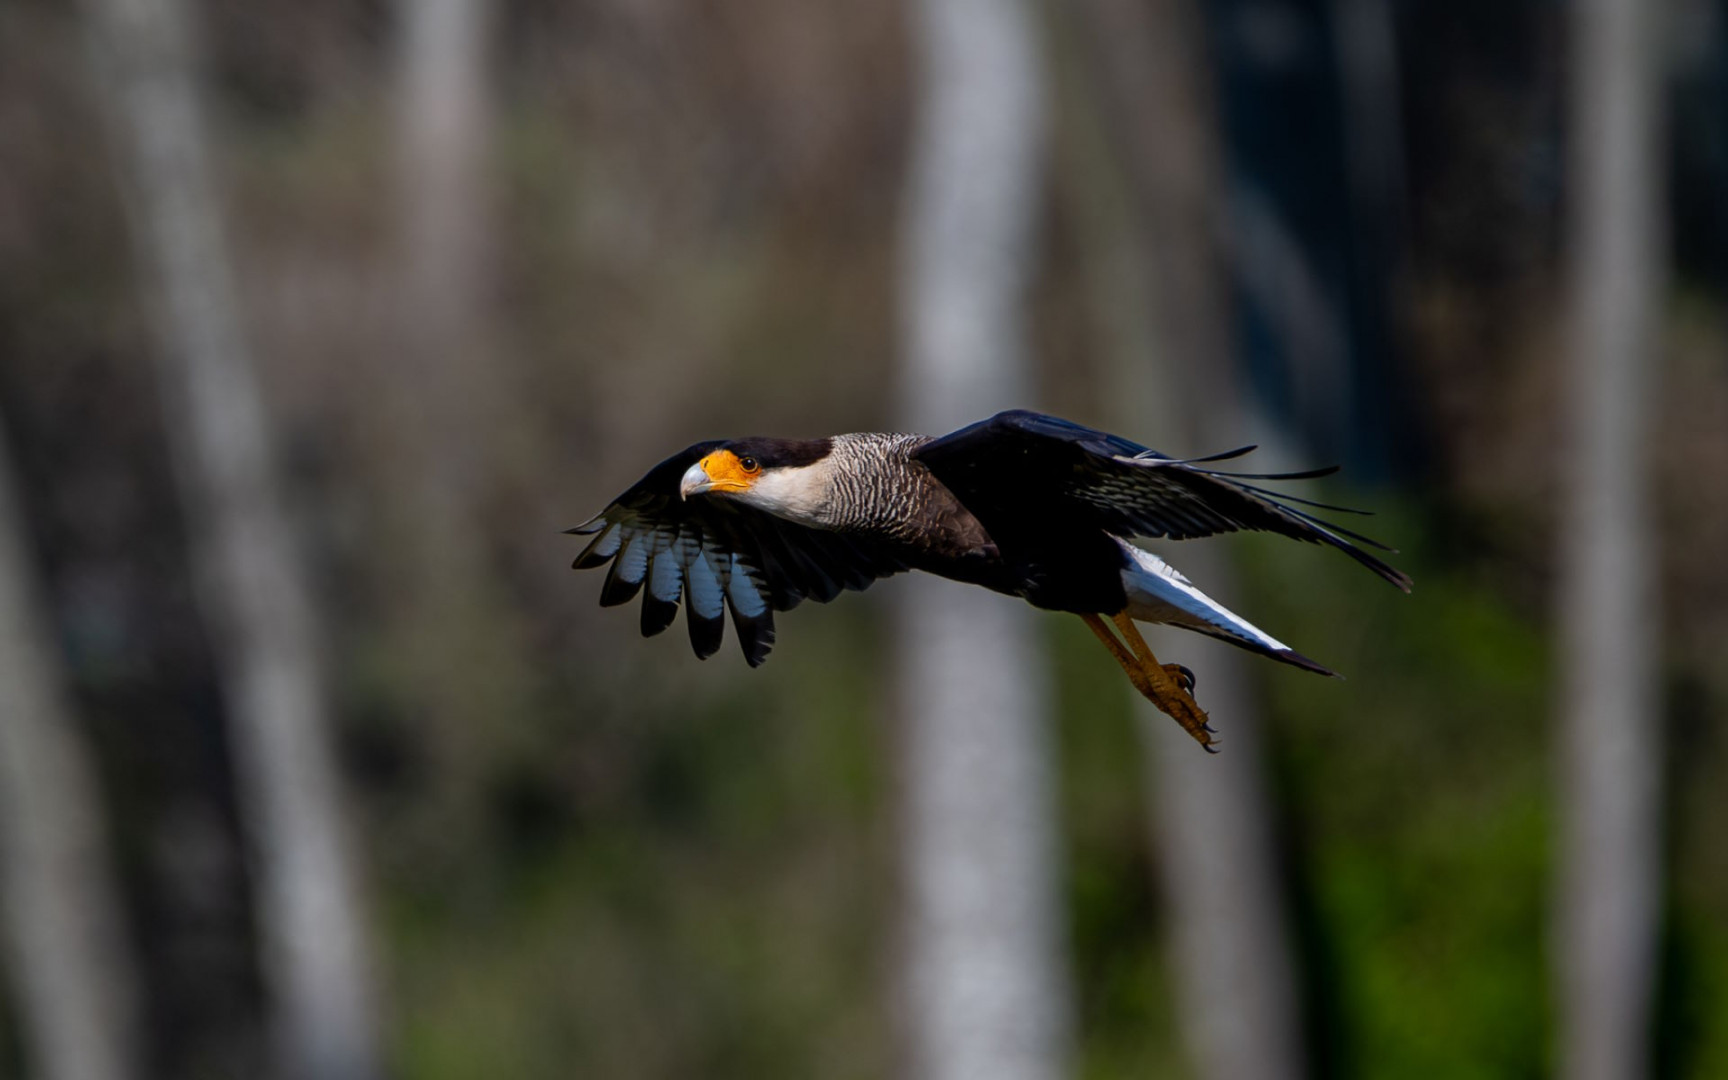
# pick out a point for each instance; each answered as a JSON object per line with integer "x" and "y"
{"x": 1183, "y": 675}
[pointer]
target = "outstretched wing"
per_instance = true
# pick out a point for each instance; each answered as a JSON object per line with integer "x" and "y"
{"x": 714, "y": 555}
{"x": 1019, "y": 462}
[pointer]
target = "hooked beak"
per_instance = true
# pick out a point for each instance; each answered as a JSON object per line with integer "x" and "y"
{"x": 696, "y": 480}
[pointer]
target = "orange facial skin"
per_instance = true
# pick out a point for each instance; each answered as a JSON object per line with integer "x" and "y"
{"x": 727, "y": 472}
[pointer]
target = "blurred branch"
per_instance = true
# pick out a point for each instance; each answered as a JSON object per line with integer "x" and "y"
{"x": 253, "y": 584}
{"x": 1611, "y": 717}
{"x": 72, "y": 975}
{"x": 1161, "y": 289}
{"x": 987, "y": 991}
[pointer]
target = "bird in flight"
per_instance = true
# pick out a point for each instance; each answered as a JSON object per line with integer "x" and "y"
{"x": 1022, "y": 503}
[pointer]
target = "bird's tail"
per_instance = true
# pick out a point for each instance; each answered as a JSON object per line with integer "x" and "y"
{"x": 1158, "y": 593}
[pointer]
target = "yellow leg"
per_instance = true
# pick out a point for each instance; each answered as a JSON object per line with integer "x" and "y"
{"x": 1143, "y": 652}
{"x": 1161, "y": 684}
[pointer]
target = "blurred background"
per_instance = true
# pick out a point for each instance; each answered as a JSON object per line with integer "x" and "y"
{"x": 319, "y": 321}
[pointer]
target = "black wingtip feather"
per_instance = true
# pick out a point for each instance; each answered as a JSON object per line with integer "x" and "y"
{"x": 1227, "y": 455}
{"x": 617, "y": 591}
{"x": 590, "y": 556}
{"x": 1390, "y": 573}
{"x": 589, "y": 559}
{"x": 1305, "y": 474}
{"x": 755, "y": 635}
{"x": 1339, "y": 530}
{"x": 1286, "y": 497}
{"x": 705, "y": 634}
{"x": 657, "y": 614}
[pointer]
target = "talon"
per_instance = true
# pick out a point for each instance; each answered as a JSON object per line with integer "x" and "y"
{"x": 1176, "y": 703}
{"x": 1182, "y": 674}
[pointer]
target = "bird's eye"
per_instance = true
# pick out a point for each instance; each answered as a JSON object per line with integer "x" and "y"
{"x": 750, "y": 464}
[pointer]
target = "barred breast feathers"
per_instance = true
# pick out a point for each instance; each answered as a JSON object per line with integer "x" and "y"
{"x": 867, "y": 482}
{"x": 879, "y": 488}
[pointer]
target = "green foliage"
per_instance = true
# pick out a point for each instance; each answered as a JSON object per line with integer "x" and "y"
{"x": 715, "y": 910}
{"x": 1123, "y": 993}
{"x": 1415, "y": 808}
{"x": 713, "y": 893}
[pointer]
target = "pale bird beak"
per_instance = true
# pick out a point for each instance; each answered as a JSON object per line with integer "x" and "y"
{"x": 695, "y": 481}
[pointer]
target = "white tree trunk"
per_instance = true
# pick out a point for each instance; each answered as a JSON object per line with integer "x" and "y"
{"x": 1160, "y": 287}
{"x": 71, "y": 975}
{"x": 1610, "y": 725}
{"x": 987, "y": 989}
{"x": 444, "y": 110}
{"x": 446, "y": 229}
{"x": 440, "y": 423}
{"x": 252, "y": 583}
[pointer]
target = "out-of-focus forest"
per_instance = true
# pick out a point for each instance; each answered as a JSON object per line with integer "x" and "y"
{"x": 320, "y": 321}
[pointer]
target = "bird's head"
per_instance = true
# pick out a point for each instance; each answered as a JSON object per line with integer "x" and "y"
{"x": 724, "y": 471}
{"x": 772, "y": 474}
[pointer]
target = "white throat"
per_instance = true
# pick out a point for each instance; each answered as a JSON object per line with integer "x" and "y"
{"x": 804, "y": 494}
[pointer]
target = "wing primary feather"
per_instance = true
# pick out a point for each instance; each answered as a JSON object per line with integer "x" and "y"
{"x": 665, "y": 573}
{"x": 1395, "y": 576}
{"x": 702, "y": 586}
{"x": 1305, "y": 474}
{"x": 706, "y": 634}
{"x": 755, "y": 632}
{"x": 628, "y": 572}
{"x": 1227, "y": 455}
{"x": 1327, "y": 533}
{"x": 665, "y": 587}
{"x": 657, "y": 614}
{"x": 618, "y": 589}
{"x": 1285, "y": 497}
{"x": 704, "y": 611}
{"x": 1153, "y": 457}
{"x": 1339, "y": 530}
{"x": 600, "y": 549}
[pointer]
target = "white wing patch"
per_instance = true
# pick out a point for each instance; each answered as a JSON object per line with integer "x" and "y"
{"x": 633, "y": 563}
{"x": 745, "y": 591}
{"x": 666, "y": 579}
{"x": 608, "y": 542}
{"x": 706, "y": 598}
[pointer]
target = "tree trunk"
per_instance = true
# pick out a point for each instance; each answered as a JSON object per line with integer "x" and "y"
{"x": 1160, "y": 287}
{"x": 445, "y": 264}
{"x": 1610, "y": 724}
{"x": 442, "y": 425}
{"x": 252, "y": 583}
{"x": 987, "y": 988}
{"x": 72, "y": 977}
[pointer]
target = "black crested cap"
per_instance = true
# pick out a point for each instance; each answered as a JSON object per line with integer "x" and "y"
{"x": 780, "y": 453}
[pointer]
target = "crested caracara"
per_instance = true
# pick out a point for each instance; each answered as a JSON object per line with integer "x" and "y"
{"x": 1025, "y": 504}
